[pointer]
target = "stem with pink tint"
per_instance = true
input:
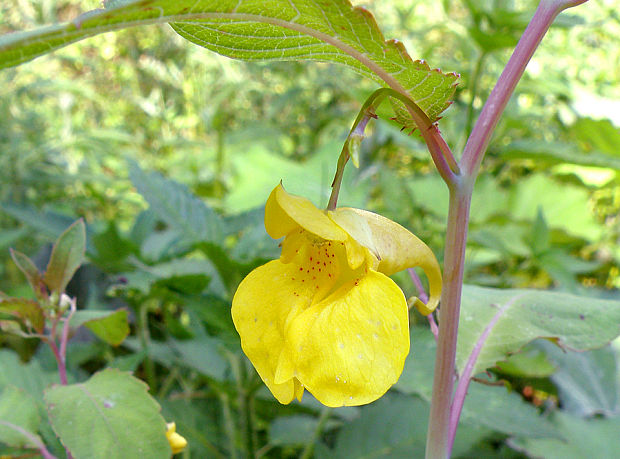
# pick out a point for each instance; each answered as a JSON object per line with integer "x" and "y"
{"x": 442, "y": 422}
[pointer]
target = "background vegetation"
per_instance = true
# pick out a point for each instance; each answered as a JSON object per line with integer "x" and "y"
{"x": 168, "y": 152}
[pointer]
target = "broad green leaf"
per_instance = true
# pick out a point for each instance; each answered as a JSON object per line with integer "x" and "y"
{"x": 485, "y": 406}
{"x": 33, "y": 379}
{"x": 19, "y": 418}
{"x": 489, "y": 406}
{"x": 558, "y": 152}
{"x": 394, "y": 427}
{"x": 581, "y": 438}
{"x": 178, "y": 207}
{"x": 293, "y": 430}
{"x": 598, "y": 135}
{"x": 67, "y": 256}
{"x": 574, "y": 322}
{"x": 109, "y": 326}
{"x": 588, "y": 382}
{"x": 565, "y": 206}
{"x": 50, "y": 224}
{"x": 200, "y": 354}
{"x": 28, "y": 312}
{"x": 110, "y": 416}
{"x": 332, "y": 31}
{"x": 529, "y": 363}
{"x": 26, "y": 265}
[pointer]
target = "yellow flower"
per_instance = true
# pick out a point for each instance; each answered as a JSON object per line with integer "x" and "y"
{"x": 177, "y": 442}
{"x": 325, "y": 316}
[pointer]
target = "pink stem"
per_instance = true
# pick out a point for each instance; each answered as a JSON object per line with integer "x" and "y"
{"x": 481, "y": 135}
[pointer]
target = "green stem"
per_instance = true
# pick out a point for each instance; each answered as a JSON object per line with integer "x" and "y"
{"x": 143, "y": 333}
{"x": 320, "y": 426}
{"x": 229, "y": 425}
{"x": 440, "y": 152}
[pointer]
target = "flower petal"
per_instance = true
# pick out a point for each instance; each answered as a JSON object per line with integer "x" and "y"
{"x": 395, "y": 247}
{"x": 261, "y": 309}
{"x": 285, "y": 212}
{"x": 351, "y": 347}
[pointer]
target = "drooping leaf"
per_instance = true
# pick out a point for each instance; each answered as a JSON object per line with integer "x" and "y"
{"x": 67, "y": 256}
{"x": 332, "y": 31}
{"x": 109, "y": 416}
{"x": 174, "y": 204}
{"x": 28, "y": 312}
{"x": 574, "y": 322}
{"x": 109, "y": 326}
{"x": 26, "y": 265}
{"x": 19, "y": 418}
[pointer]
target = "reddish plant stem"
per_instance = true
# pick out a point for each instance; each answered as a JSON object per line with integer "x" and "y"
{"x": 443, "y": 382}
{"x": 440, "y": 421}
{"x": 500, "y": 95}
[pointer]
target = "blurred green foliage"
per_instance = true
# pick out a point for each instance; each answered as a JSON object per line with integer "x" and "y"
{"x": 135, "y": 131}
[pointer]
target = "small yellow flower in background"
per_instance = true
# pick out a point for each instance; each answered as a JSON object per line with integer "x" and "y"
{"x": 325, "y": 317}
{"x": 177, "y": 442}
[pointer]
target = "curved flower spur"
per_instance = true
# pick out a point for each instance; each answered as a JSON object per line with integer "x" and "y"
{"x": 325, "y": 316}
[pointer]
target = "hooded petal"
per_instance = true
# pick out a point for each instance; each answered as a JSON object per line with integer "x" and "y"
{"x": 350, "y": 348}
{"x": 394, "y": 246}
{"x": 262, "y": 307}
{"x": 285, "y": 212}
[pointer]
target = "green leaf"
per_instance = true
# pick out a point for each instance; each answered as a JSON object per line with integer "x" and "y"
{"x": 50, "y": 224}
{"x": 28, "y": 312}
{"x": 394, "y": 427}
{"x": 485, "y": 406}
{"x": 588, "y": 382}
{"x": 488, "y": 406}
{"x": 109, "y": 326}
{"x": 558, "y": 152}
{"x": 529, "y": 363}
{"x": 574, "y": 322}
{"x": 267, "y": 30}
{"x": 19, "y": 418}
{"x": 174, "y": 204}
{"x": 67, "y": 256}
{"x": 112, "y": 249}
{"x": 598, "y": 135}
{"x": 110, "y": 416}
{"x": 581, "y": 438}
{"x": 26, "y": 265}
{"x": 33, "y": 379}
{"x": 292, "y": 430}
